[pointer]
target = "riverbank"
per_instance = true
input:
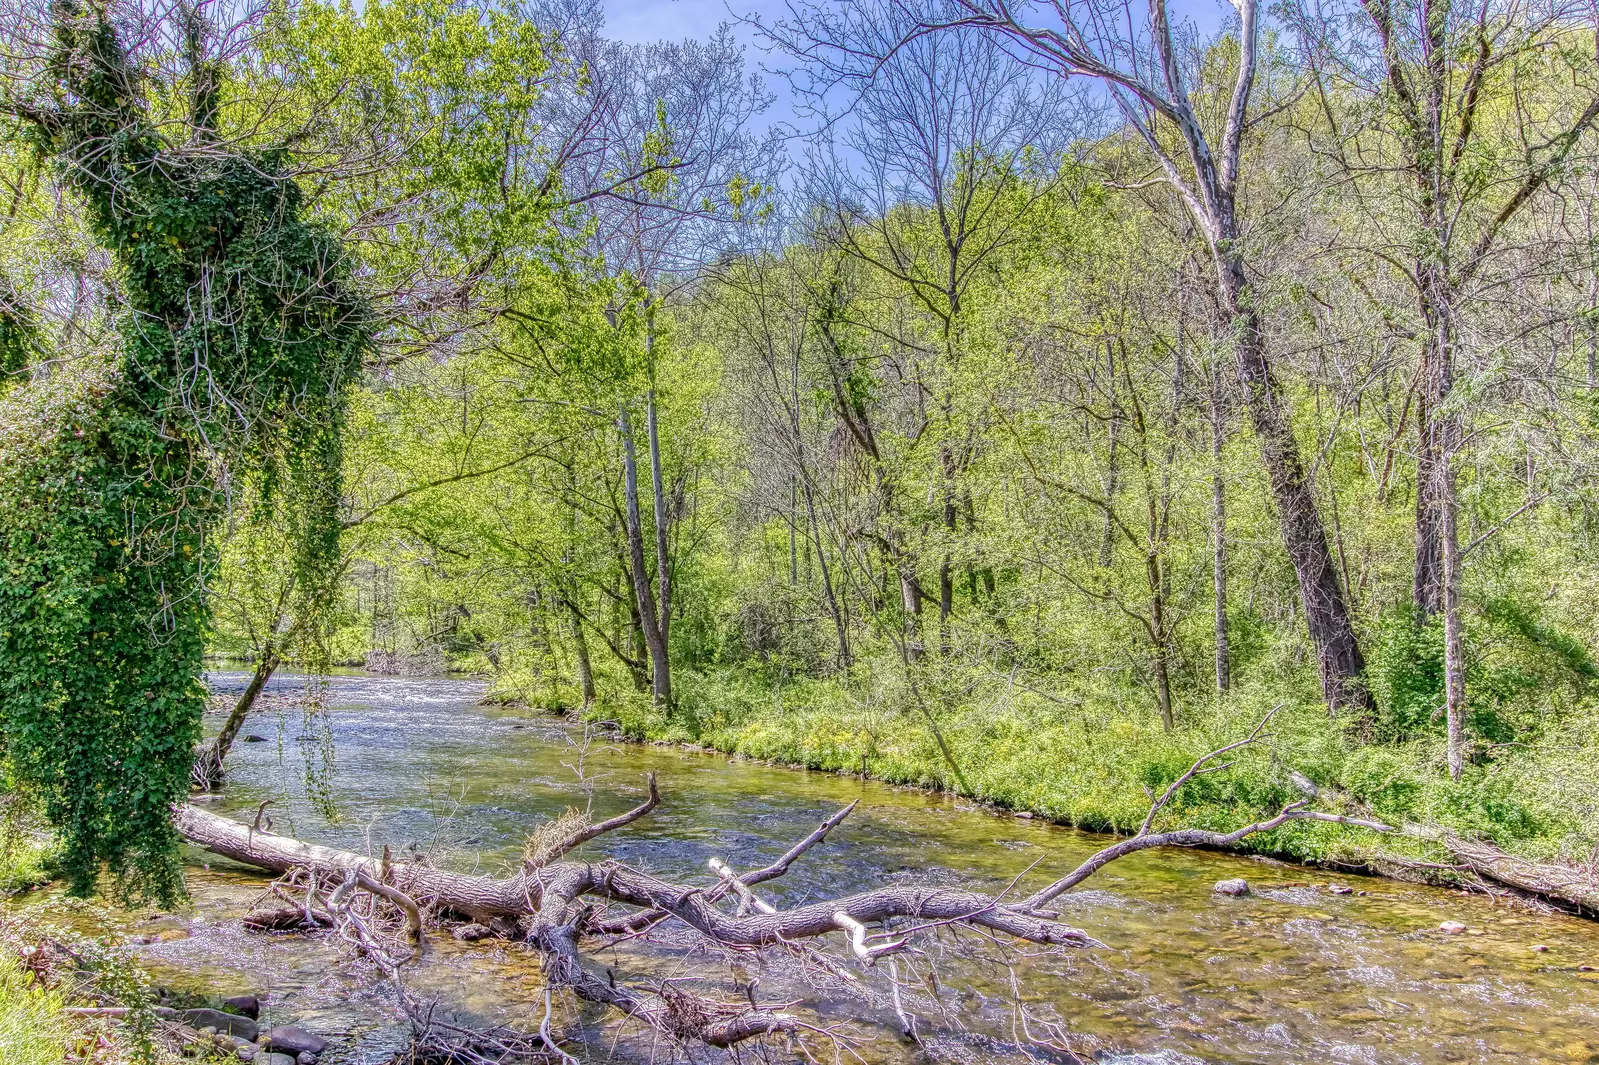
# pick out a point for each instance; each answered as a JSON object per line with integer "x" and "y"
{"x": 1093, "y": 764}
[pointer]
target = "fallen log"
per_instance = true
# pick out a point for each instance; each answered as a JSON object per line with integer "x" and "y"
{"x": 555, "y": 903}
{"x": 1564, "y": 884}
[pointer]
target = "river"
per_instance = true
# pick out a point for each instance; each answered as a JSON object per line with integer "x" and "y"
{"x": 1292, "y": 973}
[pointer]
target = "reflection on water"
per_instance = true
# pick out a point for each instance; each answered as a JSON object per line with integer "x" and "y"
{"x": 1291, "y": 974}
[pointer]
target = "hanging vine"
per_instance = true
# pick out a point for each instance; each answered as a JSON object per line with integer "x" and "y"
{"x": 240, "y": 336}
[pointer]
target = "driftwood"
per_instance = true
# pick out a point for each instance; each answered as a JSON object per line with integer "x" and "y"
{"x": 1565, "y": 885}
{"x": 555, "y": 902}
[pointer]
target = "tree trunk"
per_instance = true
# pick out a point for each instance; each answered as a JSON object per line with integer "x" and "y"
{"x": 1218, "y": 527}
{"x": 1454, "y": 644}
{"x": 649, "y": 628}
{"x": 580, "y": 645}
{"x": 663, "y": 558}
{"x": 1107, "y": 536}
{"x": 1332, "y": 631}
{"x": 207, "y": 772}
{"x": 833, "y": 606}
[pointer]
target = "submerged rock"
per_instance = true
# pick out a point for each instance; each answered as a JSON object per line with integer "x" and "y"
{"x": 1236, "y": 887}
{"x": 1454, "y": 928}
{"x": 217, "y": 1021}
{"x": 471, "y": 933}
{"x": 1341, "y": 889}
{"x": 293, "y": 1041}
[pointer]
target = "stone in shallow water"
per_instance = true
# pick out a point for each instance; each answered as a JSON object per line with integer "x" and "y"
{"x": 1454, "y": 928}
{"x": 1235, "y": 887}
{"x": 1341, "y": 889}
{"x": 244, "y": 1005}
{"x": 471, "y": 933}
{"x": 218, "y": 1021}
{"x": 294, "y": 1041}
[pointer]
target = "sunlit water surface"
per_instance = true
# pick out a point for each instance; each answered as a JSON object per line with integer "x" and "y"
{"x": 1289, "y": 974}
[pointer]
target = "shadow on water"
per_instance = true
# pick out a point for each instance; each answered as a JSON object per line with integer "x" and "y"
{"x": 1290, "y": 974}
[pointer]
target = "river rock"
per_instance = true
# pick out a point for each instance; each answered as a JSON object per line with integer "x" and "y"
{"x": 306, "y": 1059}
{"x": 1341, "y": 889}
{"x": 1454, "y": 928}
{"x": 244, "y": 1005}
{"x": 246, "y": 1052}
{"x": 1539, "y": 947}
{"x": 1236, "y": 887}
{"x": 293, "y": 1041}
{"x": 255, "y": 739}
{"x": 275, "y": 1059}
{"x": 231, "y": 1023}
{"x": 471, "y": 933}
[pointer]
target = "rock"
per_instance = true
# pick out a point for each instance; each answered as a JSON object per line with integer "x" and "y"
{"x": 1341, "y": 889}
{"x": 246, "y": 1052}
{"x": 274, "y": 1058}
{"x": 1454, "y": 928}
{"x": 1025, "y": 815}
{"x": 306, "y": 1059}
{"x": 218, "y": 1021}
{"x": 255, "y": 739}
{"x": 471, "y": 933}
{"x": 1236, "y": 887}
{"x": 1539, "y": 948}
{"x": 293, "y": 1041}
{"x": 244, "y": 1005}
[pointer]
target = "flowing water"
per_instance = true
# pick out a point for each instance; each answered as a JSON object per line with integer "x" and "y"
{"x": 1289, "y": 974}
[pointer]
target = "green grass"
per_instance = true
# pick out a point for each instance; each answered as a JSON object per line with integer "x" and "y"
{"x": 1090, "y": 759}
{"x": 27, "y": 861}
{"x": 31, "y": 1027}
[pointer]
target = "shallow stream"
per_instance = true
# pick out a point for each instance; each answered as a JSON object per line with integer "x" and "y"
{"x": 1289, "y": 974}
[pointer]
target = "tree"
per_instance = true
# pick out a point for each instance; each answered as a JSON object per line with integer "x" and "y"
{"x": 1143, "y": 73}
{"x": 239, "y": 340}
{"x": 1450, "y": 94}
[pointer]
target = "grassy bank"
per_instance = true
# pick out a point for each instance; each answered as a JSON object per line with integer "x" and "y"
{"x": 1088, "y": 760}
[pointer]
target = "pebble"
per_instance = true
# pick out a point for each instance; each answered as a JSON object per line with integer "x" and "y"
{"x": 1454, "y": 928}
{"x": 1235, "y": 887}
{"x": 247, "y": 1052}
{"x": 279, "y": 1059}
{"x": 1341, "y": 889}
{"x": 306, "y": 1059}
{"x": 1539, "y": 948}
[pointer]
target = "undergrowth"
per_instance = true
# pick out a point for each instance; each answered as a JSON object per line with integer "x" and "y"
{"x": 1090, "y": 760}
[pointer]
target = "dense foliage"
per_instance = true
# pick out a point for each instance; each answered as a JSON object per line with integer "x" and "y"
{"x": 234, "y": 351}
{"x": 954, "y": 448}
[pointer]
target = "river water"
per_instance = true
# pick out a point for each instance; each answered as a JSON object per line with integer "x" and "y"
{"x": 1290, "y": 974}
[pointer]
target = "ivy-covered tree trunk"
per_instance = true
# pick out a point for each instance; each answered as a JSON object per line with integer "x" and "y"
{"x": 238, "y": 341}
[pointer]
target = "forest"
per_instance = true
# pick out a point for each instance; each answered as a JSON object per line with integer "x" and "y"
{"x": 1177, "y": 424}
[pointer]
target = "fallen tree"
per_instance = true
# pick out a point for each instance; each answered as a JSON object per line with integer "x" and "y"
{"x": 559, "y": 904}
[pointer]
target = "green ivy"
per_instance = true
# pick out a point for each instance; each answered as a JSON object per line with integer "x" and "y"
{"x": 239, "y": 341}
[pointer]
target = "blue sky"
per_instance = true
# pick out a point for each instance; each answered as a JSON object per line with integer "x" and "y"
{"x": 638, "y": 21}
